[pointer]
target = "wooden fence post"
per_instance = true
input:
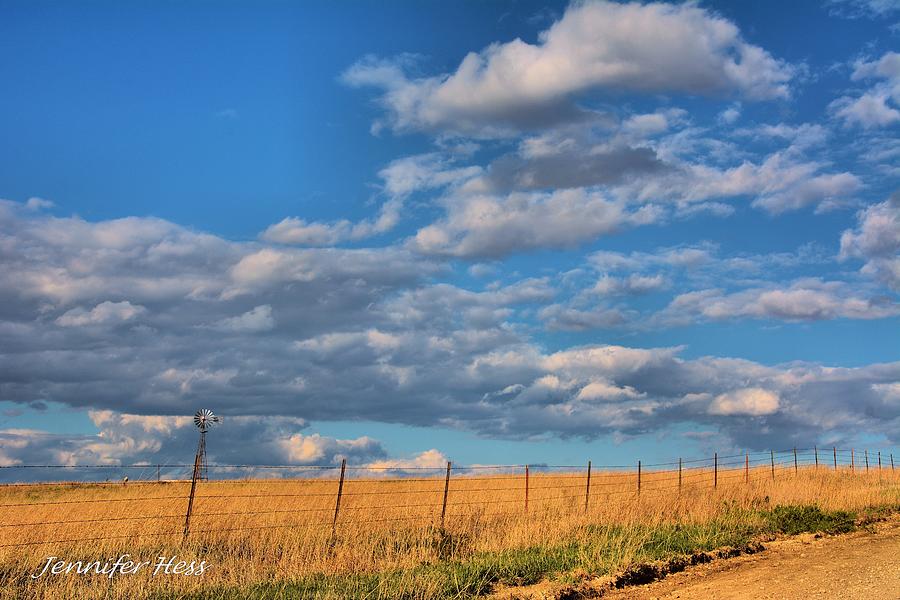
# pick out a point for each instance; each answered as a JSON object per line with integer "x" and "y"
{"x": 639, "y": 478}
{"x": 747, "y": 468}
{"x": 190, "y": 506}
{"x": 679, "y": 474}
{"x": 446, "y": 491}
{"x": 879, "y": 462}
{"x": 816, "y": 450}
{"x": 587, "y": 491}
{"x": 526, "y": 488}
{"x": 772, "y": 453}
{"x": 716, "y": 469}
{"x": 337, "y": 503}
{"x": 834, "y": 448}
{"x": 795, "y": 460}
{"x": 866, "y": 453}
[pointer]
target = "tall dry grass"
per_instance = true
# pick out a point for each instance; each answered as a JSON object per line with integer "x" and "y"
{"x": 263, "y": 530}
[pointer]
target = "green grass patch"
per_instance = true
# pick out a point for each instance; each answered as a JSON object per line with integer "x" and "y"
{"x": 601, "y": 549}
{"x": 809, "y": 519}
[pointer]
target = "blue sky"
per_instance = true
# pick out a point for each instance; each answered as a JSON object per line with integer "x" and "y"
{"x": 495, "y": 232}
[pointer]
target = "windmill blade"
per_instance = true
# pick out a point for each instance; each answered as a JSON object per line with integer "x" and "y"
{"x": 204, "y": 418}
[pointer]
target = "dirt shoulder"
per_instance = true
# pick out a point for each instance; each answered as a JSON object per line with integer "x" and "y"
{"x": 864, "y": 564}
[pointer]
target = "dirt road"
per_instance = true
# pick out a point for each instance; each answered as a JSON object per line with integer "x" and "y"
{"x": 860, "y": 565}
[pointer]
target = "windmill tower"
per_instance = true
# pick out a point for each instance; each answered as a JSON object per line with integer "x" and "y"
{"x": 203, "y": 419}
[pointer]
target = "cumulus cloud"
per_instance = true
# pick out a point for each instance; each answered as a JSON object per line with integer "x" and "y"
{"x": 804, "y": 300}
{"x": 124, "y": 438}
{"x": 366, "y": 333}
{"x": 876, "y": 239}
{"x": 254, "y": 320}
{"x": 400, "y": 178}
{"x": 879, "y": 106}
{"x": 746, "y": 401}
{"x": 491, "y": 226}
{"x": 634, "y": 284}
{"x": 104, "y": 313}
{"x": 595, "y": 46}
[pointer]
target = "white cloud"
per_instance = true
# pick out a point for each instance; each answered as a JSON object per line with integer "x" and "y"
{"x": 879, "y": 106}
{"x": 596, "y": 45}
{"x": 254, "y": 320}
{"x": 730, "y": 115}
{"x": 38, "y": 204}
{"x": 494, "y": 226}
{"x": 805, "y": 300}
{"x": 747, "y": 401}
{"x": 876, "y": 239}
{"x": 314, "y": 449}
{"x": 102, "y": 314}
{"x": 863, "y": 8}
{"x": 632, "y": 285}
{"x": 429, "y": 459}
{"x": 401, "y": 178}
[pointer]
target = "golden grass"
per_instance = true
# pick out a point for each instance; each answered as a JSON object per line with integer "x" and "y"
{"x": 263, "y": 530}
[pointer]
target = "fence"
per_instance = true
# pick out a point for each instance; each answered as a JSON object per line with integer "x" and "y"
{"x": 160, "y": 501}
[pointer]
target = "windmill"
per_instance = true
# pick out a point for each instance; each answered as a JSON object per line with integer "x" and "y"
{"x": 203, "y": 419}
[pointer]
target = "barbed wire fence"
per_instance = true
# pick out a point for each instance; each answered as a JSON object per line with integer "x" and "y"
{"x": 434, "y": 495}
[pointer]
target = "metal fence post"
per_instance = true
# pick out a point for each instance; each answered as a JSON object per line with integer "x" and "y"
{"x": 716, "y": 469}
{"x": 337, "y": 503}
{"x": 834, "y": 448}
{"x": 866, "y": 453}
{"x": 772, "y": 452}
{"x": 587, "y": 491}
{"x": 892, "y": 461}
{"x": 639, "y": 478}
{"x": 879, "y": 462}
{"x": 816, "y": 450}
{"x": 852, "y": 461}
{"x": 446, "y": 491}
{"x": 795, "y": 460}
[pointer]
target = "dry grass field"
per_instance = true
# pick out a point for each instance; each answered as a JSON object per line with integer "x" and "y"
{"x": 258, "y": 535}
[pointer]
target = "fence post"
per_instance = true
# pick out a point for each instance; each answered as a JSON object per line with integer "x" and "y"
{"x": 679, "y": 474}
{"x": 639, "y": 478}
{"x": 337, "y": 503}
{"x": 879, "y": 462}
{"x": 772, "y": 452}
{"x": 866, "y": 453}
{"x": 795, "y": 460}
{"x": 587, "y": 491}
{"x": 816, "y": 450}
{"x": 526, "y": 488}
{"x": 716, "y": 469}
{"x": 852, "y": 461}
{"x": 747, "y": 468}
{"x": 446, "y": 490}
{"x": 190, "y": 506}
{"x": 892, "y": 461}
{"x": 834, "y": 448}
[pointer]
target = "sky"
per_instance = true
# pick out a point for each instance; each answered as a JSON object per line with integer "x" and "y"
{"x": 410, "y": 232}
